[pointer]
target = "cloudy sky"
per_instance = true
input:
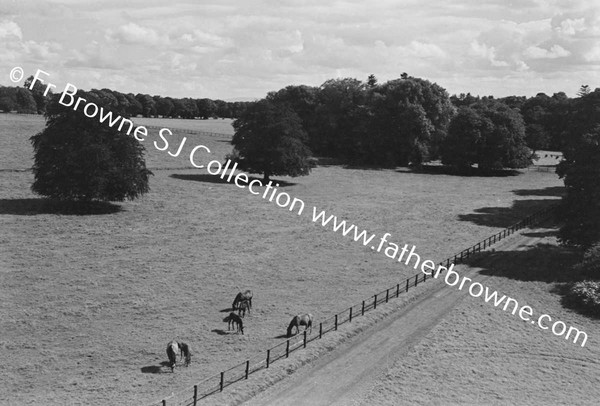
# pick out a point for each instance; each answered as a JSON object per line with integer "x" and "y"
{"x": 243, "y": 49}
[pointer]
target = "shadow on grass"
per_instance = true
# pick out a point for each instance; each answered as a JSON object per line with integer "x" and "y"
{"x": 220, "y": 332}
{"x": 543, "y": 262}
{"x": 506, "y": 216}
{"x": 208, "y": 178}
{"x": 226, "y": 310}
{"x": 155, "y": 369}
{"x": 281, "y": 336}
{"x": 557, "y": 191}
{"x": 32, "y": 207}
{"x": 471, "y": 172}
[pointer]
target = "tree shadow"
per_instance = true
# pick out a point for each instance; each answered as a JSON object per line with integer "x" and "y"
{"x": 32, "y": 207}
{"x": 557, "y": 191}
{"x": 155, "y": 369}
{"x": 506, "y": 216}
{"x": 543, "y": 262}
{"x": 470, "y": 172}
{"x": 208, "y": 178}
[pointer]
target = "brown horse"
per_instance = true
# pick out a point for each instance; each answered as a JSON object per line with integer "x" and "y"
{"x": 243, "y": 306}
{"x": 241, "y": 297}
{"x": 300, "y": 320}
{"x": 234, "y": 319}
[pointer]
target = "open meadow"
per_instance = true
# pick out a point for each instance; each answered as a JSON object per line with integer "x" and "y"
{"x": 89, "y": 302}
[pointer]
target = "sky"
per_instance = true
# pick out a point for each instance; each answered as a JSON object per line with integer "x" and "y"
{"x": 225, "y": 49}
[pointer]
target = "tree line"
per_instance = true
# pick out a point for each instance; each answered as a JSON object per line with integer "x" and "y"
{"x": 24, "y": 100}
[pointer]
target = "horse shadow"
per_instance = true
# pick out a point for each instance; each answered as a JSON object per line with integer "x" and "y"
{"x": 155, "y": 369}
{"x": 281, "y": 336}
{"x": 226, "y": 310}
{"x": 220, "y": 332}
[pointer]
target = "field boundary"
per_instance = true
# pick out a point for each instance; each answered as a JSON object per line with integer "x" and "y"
{"x": 185, "y": 131}
{"x": 218, "y": 382}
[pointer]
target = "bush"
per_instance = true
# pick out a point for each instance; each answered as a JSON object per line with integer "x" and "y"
{"x": 585, "y": 296}
{"x": 589, "y": 268}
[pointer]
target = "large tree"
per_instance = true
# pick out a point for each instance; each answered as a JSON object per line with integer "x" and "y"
{"x": 580, "y": 169}
{"x": 269, "y": 139}
{"x": 79, "y": 158}
{"x": 489, "y": 134}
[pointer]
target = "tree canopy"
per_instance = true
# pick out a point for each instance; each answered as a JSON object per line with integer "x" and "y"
{"x": 79, "y": 158}
{"x": 489, "y": 134}
{"x": 269, "y": 139}
{"x": 580, "y": 169}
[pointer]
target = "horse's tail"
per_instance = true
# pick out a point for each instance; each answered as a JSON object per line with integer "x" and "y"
{"x": 291, "y": 326}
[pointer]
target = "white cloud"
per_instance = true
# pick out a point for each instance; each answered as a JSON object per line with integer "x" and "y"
{"x": 131, "y": 33}
{"x": 10, "y": 29}
{"x": 556, "y": 51}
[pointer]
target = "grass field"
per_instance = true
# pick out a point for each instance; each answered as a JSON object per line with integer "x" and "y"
{"x": 90, "y": 302}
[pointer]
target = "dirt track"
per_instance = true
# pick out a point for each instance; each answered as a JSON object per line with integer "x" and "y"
{"x": 344, "y": 376}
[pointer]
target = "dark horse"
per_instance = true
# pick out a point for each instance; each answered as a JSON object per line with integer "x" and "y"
{"x": 241, "y": 297}
{"x": 234, "y": 319}
{"x": 300, "y": 320}
{"x": 243, "y": 306}
{"x": 173, "y": 348}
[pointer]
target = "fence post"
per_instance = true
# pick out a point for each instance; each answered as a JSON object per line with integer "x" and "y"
{"x": 248, "y": 367}
{"x": 362, "y": 313}
{"x": 350, "y": 318}
{"x": 397, "y": 290}
{"x": 375, "y": 303}
{"x": 448, "y": 263}
{"x": 222, "y": 379}
{"x": 407, "y": 284}
{"x": 320, "y": 330}
{"x": 164, "y": 402}
{"x": 268, "y": 357}
{"x": 416, "y": 279}
{"x": 304, "y": 338}
{"x": 387, "y": 295}
{"x": 336, "y": 322}
{"x": 287, "y": 349}
{"x": 196, "y": 394}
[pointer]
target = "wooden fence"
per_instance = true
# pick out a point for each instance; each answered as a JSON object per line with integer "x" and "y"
{"x": 185, "y": 131}
{"x": 239, "y": 372}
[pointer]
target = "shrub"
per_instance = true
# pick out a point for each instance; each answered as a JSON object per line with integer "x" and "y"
{"x": 590, "y": 266}
{"x": 585, "y": 296}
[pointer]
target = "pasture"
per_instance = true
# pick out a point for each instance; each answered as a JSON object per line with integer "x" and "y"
{"x": 90, "y": 302}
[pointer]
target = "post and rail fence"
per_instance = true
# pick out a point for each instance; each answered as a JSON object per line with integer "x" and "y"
{"x": 217, "y": 383}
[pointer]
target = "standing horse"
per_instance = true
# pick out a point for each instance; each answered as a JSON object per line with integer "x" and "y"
{"x": 234, "y": 319}
{"x": 300, "y": 320}
{"x": 240, "y": 297}
{"x": 243, "y": 306}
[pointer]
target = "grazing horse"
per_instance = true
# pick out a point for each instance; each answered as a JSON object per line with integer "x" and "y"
{"x": 300, "y": 320}
{"x": 173, "y": 348}
{"x": 243, "y": 306}
{"x": 234, "y": 319}
{"x": 185, "y": 352}
{"x": 241, "y": 297}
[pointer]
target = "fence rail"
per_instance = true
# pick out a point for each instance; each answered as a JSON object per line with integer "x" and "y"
{"x": 187, "y": 131}
{"x": 218, "y": 382}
